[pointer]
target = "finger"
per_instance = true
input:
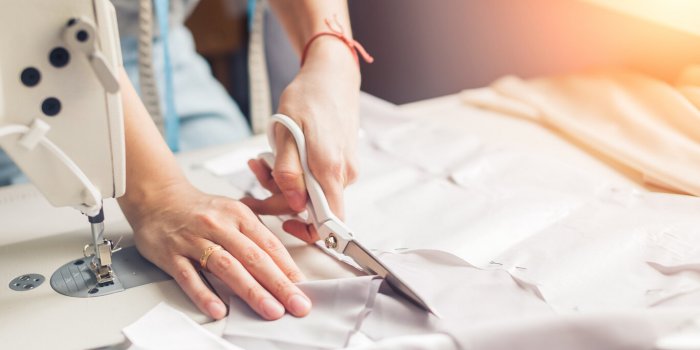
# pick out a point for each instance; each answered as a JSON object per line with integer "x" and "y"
{"x": 187, "y": 277}
{"x": 273, "y": 205}
{"x": 333, "y": 188}
{"x": 288, "y": 171}
{"x": 351, "y": 168}
{"x": 271, "y": 244}
{"x": 263, "y": 174}
{"x": 303, "y": 231}
{"x": 235, "y": 276}
{"x": 261, "y": 266}
{"x": 329, "y": 169}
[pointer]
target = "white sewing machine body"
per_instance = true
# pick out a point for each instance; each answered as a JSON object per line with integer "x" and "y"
{"x": 46, "y": 76}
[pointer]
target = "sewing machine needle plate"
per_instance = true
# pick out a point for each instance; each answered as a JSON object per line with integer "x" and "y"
{"x": 76, "y": 279}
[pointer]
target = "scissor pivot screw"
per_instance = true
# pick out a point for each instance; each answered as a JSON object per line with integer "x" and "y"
{"x": 331, "y": 241}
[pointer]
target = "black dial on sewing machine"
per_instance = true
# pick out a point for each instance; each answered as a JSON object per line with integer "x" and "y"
{"x": 51, "y": 106}
{"x": 59, "y": 57}
{"x": 30, "y": 77}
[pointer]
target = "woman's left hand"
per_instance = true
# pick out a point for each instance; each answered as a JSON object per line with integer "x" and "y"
{"x": 175, "y": 224}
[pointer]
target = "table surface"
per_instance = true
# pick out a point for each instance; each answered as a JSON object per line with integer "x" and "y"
{"x": 43, "y": 318}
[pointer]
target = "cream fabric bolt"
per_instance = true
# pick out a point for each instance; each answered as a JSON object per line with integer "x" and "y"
{"x": 642, "y": 123}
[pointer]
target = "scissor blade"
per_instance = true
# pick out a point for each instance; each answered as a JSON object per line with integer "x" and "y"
{"x": 371, "y": 263}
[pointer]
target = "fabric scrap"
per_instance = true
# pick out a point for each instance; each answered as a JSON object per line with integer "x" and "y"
{"x": 164, "y": 327}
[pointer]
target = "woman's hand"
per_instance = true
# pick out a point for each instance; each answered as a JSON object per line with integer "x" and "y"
{"x": 175, "y": 224}
{"x": 323, "y": 101}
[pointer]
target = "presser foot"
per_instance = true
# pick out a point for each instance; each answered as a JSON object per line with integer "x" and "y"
{"x": 103, "y": 275}
{"x": 101, "y": 264}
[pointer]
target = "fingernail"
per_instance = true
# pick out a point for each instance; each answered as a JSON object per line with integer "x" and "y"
{"x": 272, "y": 309}
{"x": 216, "y": 309}
{"x": 296, "y": 199}
{"x": 299, "y": 305}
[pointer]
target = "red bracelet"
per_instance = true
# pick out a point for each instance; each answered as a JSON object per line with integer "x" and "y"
{"x": 353, "y": 45}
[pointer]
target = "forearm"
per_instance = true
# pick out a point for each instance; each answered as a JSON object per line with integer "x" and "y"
{"x": 150, "y": 166}
{"x": 304, "y": 18}
{"x": 327, "y": 55}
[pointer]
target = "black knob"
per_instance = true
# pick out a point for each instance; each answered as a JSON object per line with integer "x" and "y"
{"x": 51, "y": 106}
{"x": 82, "y": 36}
{"x": 59, "y": 57}
{"x": 30, "y": 76}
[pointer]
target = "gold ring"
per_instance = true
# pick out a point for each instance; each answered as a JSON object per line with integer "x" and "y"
{"x": 206, "y": 254}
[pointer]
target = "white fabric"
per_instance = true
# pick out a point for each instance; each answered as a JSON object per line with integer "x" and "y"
{"x": 587, "y": 241}
{"x": 463, "y": 296}
{"x": 166, "y": 328}
{"x": 609, "y": 258}
{"x": 484, "y": 309}
{"x": 338, "y": 308}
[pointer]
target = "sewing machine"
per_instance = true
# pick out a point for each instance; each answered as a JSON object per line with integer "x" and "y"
{"x": 61, "y": 122}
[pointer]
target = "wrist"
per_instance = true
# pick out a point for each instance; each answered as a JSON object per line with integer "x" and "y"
{"x": 144, "y": 198}
{"x": 334, "y": 55}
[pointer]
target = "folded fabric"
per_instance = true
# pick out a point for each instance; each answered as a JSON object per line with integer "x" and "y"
{"x": 339, "y": 306}
{"x": 345, "y": 307}
{"x": 642, "y": 123}
{"x": 167, "y": 328}
{"x": 463, "y": 296}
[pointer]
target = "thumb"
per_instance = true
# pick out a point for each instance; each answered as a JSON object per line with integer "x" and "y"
{"x": 287, "y": 172}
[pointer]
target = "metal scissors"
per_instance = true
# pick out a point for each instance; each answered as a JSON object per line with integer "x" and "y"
{"x": 335, "y": 235}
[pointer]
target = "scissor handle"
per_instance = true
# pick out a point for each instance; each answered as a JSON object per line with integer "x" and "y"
{"x": 320, "y": 212}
